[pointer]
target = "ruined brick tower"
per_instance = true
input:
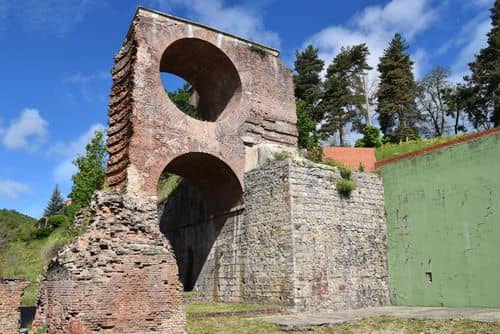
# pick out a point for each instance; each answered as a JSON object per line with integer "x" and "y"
{"x": 245, "y": 98}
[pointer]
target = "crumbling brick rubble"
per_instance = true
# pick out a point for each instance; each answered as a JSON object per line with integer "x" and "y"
{"x": 120, "y": 276}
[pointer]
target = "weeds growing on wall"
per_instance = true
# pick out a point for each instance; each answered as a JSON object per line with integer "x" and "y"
{"x": 345, "y": 187}
{"x": 260, "y": 51}
{"x": 280, "y": 156}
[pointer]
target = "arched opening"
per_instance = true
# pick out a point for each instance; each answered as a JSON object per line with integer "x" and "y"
{"x": 196, "y": 192}
{"x": 214, "y": 86}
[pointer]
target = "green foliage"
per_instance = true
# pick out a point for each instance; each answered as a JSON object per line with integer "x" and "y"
{"x": 181, "y": 97}
{"x": 258, "y": 50}
{"x": 305, "y": 126}
{"x": 25, "y": 250}
{"x": 333, "y": 163}
{"x": 280, "y": 156}
{"x": 345, "y": 173}
{"x": 307, "y": 79}
{"x": 345, "y": 187}
{"x": 57, "y": 220}
{"x": 56, "y": 203}
{"x": 166, "y": 186}
{"x": 397, "y": 91}
{"x": 480, "y": 96}
{"x": 371, "y": 137}
{"x": 341, "y": 101}
{"x": 361, "y": 167}
{"x": 71, "y": 210}
{"x": 91, "y": 172}
{"x": 389, "y": 150}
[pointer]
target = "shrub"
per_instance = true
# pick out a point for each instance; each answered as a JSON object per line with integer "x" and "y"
{"x": 345, "y": 173}
{"x": 57, "y": 220}
{"x": 345, "y": 187}
{"x": 42, "y": 232}
{"x": 371, "y": 137}
{"x": 361, "y": 167}
{"x": 280, "y": 156}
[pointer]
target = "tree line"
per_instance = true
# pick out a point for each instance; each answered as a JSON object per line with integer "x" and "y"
{"x": 344, "y": 96}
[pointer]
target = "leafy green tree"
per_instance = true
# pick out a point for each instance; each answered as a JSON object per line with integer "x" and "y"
{"x": 181, "y": 98}
{"x": 371, "y": 137}
{"x": 480, "y": 96}
{"x": 397, "y": 111}
{"x": 307, "y": 79}
{"x": 56, "y": 203}
{"x": 342, "y": 102}
{"x": 91, "y": 172}
{"x": 305, "y": 125}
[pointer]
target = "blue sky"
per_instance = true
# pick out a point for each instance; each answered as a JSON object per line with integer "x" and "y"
{"x": 57, "y": 54}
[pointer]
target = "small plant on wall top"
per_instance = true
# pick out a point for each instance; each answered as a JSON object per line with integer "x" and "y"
{"x": 257, "y": 49}
{"x": 345, "y": 186}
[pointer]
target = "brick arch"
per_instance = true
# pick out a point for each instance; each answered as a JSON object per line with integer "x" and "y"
{"x": 217, "y": 182}
{"x": 209, "y": 70}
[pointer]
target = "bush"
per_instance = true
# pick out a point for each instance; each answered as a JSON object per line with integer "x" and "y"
{"x": 371, "y": 137}
{"x": 345, "y": 187}
{"x": 345, "y": 173}
{"x": 42, "y": 232}
{"x": 361, "y": 167}
{"x": 57, "y": 220}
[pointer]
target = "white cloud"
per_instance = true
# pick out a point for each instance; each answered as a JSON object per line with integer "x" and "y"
{"x": 27, "y": 132}
{"x": 12, "y": 189}
{"x": 240, "y": 20}
{"x": 375, "y": 26}
{"x": 472, "y": 39}
{"x": 55, "y": 16}
{"x": 89, "y": 86}
{"x": 69, "y": 151}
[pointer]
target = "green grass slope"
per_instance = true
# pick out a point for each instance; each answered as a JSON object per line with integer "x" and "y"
{"x": 25, "y": 250}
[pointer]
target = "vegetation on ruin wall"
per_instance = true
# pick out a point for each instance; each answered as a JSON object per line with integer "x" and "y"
{"x": 386, "y": 325}
{"x": 390, "y": 150}
{"x": 25, "y": 249}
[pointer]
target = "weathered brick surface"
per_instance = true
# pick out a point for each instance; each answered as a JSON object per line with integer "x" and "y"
{"x": 11, "y": 291}
{"x": 246, "y": 97}
{"x": 118, "y": 277}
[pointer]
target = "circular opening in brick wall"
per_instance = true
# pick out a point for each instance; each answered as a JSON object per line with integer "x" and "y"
{"x": 196, "y": 193}
{"x": 213, "y": 86}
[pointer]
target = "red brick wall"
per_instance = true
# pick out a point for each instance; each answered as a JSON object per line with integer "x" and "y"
{"x": 352, "y": 156}
{"x": 11, "y": 291}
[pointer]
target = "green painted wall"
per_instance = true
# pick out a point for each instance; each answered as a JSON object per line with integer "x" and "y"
{"x": 443, "y": 216}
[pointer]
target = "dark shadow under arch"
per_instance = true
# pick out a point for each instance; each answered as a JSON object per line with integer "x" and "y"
{"x": 196, "y": 211}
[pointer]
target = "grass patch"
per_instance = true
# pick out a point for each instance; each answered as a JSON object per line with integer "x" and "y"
{"x": 212, "y": 307}
{"x": 29, "y": 258}
{"x": 345, "y": 187}
{"x": 391, "y": 150}
{"x": 384, "y": 324}
{"x": 230, "y": 325}
{"x": 280, "y": 156}
{"x": 166, "y": 185}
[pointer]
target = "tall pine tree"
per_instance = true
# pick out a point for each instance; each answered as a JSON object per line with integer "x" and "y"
{"x": 342, "y": 102}
{"x": 397, "y": 91}
{"x": 481, "y": 93}
{"x": 307, "y": 80}
{"x": 56, "y": 203}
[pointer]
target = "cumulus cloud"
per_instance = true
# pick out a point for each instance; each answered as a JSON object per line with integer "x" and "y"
{"x": 375, "y": 26}
{"x": 240, "y": 20}
{"x": 54, "y": 16}
{"x": 69, "y": 151}
{"x": 11, "y": 189}
{"x": 470, "y": 40}
{"x": 26, "y": 132}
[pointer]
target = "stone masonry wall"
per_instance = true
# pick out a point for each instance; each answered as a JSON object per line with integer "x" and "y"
{"x": 339, "y": 243}
{"x": 266, "y": 239}
{"x": 11, "y": 291}
{"x": 120, "y": 276}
